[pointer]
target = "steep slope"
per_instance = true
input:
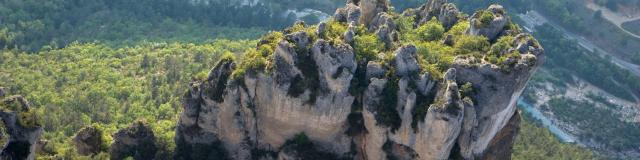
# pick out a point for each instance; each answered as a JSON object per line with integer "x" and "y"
{"x": 369, "y": 84}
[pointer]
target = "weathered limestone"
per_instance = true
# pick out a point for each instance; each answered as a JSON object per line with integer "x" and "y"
{"x": 405, "y": 115}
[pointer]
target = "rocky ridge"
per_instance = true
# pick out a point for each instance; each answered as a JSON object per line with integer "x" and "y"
{"x": 311, "y": 82}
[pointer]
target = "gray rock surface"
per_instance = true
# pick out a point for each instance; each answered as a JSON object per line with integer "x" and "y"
{"x": 349, "y": 13}
{"x": 371, "y": 8}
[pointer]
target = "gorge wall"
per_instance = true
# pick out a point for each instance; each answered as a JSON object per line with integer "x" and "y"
{"x": 317, "y": 98}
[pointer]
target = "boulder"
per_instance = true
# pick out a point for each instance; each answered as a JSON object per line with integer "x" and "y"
{"x": 370, "y": 9}
{"x": 89, "y": 141}
{"x": 448, "y": 15}
{"x": 347, "y": 14}
{"x": 136, "y": 141}
{"x": 406, "y": 61}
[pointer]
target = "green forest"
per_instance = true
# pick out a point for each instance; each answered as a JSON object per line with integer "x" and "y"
{"x": 109, "y": 63}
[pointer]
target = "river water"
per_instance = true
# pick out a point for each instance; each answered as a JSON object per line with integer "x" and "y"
{"x": 562, "y": 135}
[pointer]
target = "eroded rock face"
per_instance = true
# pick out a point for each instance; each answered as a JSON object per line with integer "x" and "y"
{"x": 136, "y": 141}
{"x": 371, "y": 8}
{"x": 22, "y": 127}
{"x": 447, "y": 13}
{"x": 89, "y": 141}
{"x": 400, "y": 112}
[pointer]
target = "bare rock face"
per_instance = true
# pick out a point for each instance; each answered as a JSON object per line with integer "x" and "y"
{"x": 502, "y": 145}
{"x": 390, "y": 108}
{"x": 489, "y": 23}
{"x": 350, "y": 13}
{"x": 371, "y": 8}
{"x": 22, "y": 126}
{"x": 89, "y": 141}
{"x": 447, "y": 13}
{"x": 136, "y": 141}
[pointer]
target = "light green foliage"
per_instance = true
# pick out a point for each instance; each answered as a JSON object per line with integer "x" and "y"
{"x": 459, "y": 28}
{"x": 430, "y": 31}
{"x": 258, "y": 59}
{"x": 467, "y": 44}
{"x": 83, "y": 84}
{"x": 28, "y": 119}
{"x": 535, "y": 142}
{"x": 367, "y": 47}
{"x": 435, "y": 57}
{"x": 485, "y": 18}
{"x": 466, "y": 89}
{"x": 405, "y": 23}
{"x": 499, "y": 48}
{"x": 334, "y": 31}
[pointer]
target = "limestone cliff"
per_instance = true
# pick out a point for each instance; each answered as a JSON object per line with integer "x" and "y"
{"x": 321, "y": 86}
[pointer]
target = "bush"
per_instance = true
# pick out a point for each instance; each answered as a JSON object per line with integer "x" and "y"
{"x": 367, "y": 47}
{"x": 28, "y": 119}
{"x": 485, "y": 18}
{"x": 467, "y": 44}
{"x": 431, "y": 31}
{"x": 334, "y": 31}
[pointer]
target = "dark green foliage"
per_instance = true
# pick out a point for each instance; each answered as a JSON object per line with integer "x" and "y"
{"x": 423, "y": 102}
{"x": 197, "y": 151}
{"x": 304, "y": 148}
{"x": 534, "y": 141}
{"x": 599, "y": 124}
{"x": 310, "y": 77}
{"x": 359, "y": 82}
{"x": 33, "y": 24}
{"x": 225, "y": 67}
{"x": 260, "y": 153}
{"x": 84, "y": 84}
{"x": 385, "y": 111}
{"x": 136, "y": 141}
{"x": 356, "y": 124}
{"x": 297, "y": 87}
{"x": 387, "y": 148}
{"x": 565, "y": 54}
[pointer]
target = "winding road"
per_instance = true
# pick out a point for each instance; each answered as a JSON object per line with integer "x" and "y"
{"x": 614, "y": 17}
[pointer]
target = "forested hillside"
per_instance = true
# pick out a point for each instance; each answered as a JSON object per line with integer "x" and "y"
{"x": 85, "y": 84}
{"x": 33, "y": 24}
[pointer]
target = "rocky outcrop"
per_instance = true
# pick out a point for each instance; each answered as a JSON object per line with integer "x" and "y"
{"x": 89, "y": 141}
{"x": 350, "y": 13}
{"x": 136, "y": 141}
{"x": 389, "y": 108}
{"x": 489, "y": 23}
{"x": 371, "y": 8}
{"x": 22, "y": 126}
{"x": 447, "y": 13}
